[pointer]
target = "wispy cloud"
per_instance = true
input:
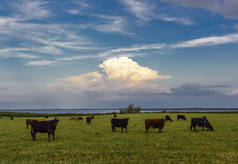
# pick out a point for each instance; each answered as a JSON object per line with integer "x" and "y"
{"x": 74, "y": 11}
{"x": 140, "y": 8}
{"x": 208, "y": 41}
{"x": 145, "y": 10}
{"x": 179, "y": 20}
{"x": 111, "y": 24}
{"x": 26, "y": 56}
{"x": 41, "y": 63}
{"x": 31, "y": 9}
{"x": 140, "y": 47}
{"x": 227, "y": 8}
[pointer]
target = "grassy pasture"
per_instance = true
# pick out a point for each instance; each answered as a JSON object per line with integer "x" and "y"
{"x": 77, "y": 142}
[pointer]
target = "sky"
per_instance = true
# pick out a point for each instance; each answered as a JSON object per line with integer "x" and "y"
{"x": 108, "y": 54}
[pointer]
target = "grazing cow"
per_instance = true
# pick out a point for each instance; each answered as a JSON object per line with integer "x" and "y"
{"x": 167, "y": 118}
{"x": 88, "y": 120}
{"x": 114, "y": 115}
{"x": 92, "y": 117}
{"x": 154, "y": 123}
{"x": 120, "y": 123}
{"x": 181, "y": 117}
{"x": 29, "y": 121}
{"x": 44, "y": 127}
{"x": 80, "y": 118}
{"x": 200, "y": 122}
{"x": 11, "y": 118}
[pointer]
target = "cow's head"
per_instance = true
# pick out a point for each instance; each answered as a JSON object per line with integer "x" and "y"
{"x": 209, "y": 126}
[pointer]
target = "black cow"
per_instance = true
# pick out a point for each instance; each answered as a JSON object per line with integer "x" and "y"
{"x": 200, "y": 122}
{"x": 44, "y": 127}
{"x": 11, "y": 118}
{"x": 88, "y": 120}
{"x": 80, "y": 118}
{"x": 181, "y": 117}
{"x": 167, "y": 118}
{"x": 120, "y": 123}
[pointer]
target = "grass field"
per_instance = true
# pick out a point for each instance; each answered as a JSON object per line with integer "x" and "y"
{"x": 77, "y": 142}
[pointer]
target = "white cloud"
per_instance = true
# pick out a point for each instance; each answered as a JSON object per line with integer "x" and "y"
{"x": 208, "y": 41}
{"x": 41, "y": 63}
{"x": 227, "y": 8}
{"x": 74, "y": 11}
{"x": 112, "y": 24}
{"x": 34, "y": 9}
{"x": 146, "y": 11}
{"x": 26, "y": 56}
{"x": 179, "y": 20}
{"x": 48, "y": 50}
{"x": 140, "y": 8}
{"x": 140, "y": 47}
{"x": 118, "y": 75}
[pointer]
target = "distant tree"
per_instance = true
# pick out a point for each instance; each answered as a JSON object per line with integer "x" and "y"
{"x": 131, "y": 109}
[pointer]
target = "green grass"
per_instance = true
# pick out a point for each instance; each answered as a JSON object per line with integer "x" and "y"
{"x": 77, "y": 142}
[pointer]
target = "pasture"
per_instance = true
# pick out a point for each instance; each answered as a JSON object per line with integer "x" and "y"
{"x": 78, "y": 142}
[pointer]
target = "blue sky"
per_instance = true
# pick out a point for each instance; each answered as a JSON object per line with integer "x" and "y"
{"x": 108, "y": 54}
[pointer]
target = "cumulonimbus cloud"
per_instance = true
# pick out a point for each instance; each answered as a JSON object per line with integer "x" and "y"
{"x": 118, "y": 75}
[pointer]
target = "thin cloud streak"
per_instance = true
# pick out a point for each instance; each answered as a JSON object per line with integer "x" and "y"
{"x": 208, "y": 41}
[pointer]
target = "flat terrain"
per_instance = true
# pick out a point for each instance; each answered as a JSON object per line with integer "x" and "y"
{"x": 77, "y": 142}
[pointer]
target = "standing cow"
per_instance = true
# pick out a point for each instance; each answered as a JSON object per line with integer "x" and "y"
{"x": 154, "y": 123}
{"x": 44, "y": 127}
{"x": 88, "y": 120}
{"x": 120, "y": 123}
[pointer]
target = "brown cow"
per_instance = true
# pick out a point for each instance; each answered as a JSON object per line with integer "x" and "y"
{"x": 114, "y": 115}
{"x": 154, "y": 123}
{"x": 74, "y": 118}
{"x": 29, "y": 121}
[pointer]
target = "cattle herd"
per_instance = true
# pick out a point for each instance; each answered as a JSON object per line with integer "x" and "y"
{"x": 49, "y": 125}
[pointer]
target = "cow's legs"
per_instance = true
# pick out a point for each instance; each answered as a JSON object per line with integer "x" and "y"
{"x": 146, "y": 129}
{"x": 26, "y": 125}
{"x": 159, "y": 130}
{"x": 126, "y": 129}
{"x": 122, "y": 130}
{"x": 48, "y": 136}
{"x": 53, "y": 134}
{"x": 191, "y": 128}
{"x": 203, "y": 128}
{"x": 33, "y": 134}
{"x": 194, "y": 128}
{"x": 113, "y": 129}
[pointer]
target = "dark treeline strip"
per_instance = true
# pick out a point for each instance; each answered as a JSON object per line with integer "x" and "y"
{"x": 16, "y": 114}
